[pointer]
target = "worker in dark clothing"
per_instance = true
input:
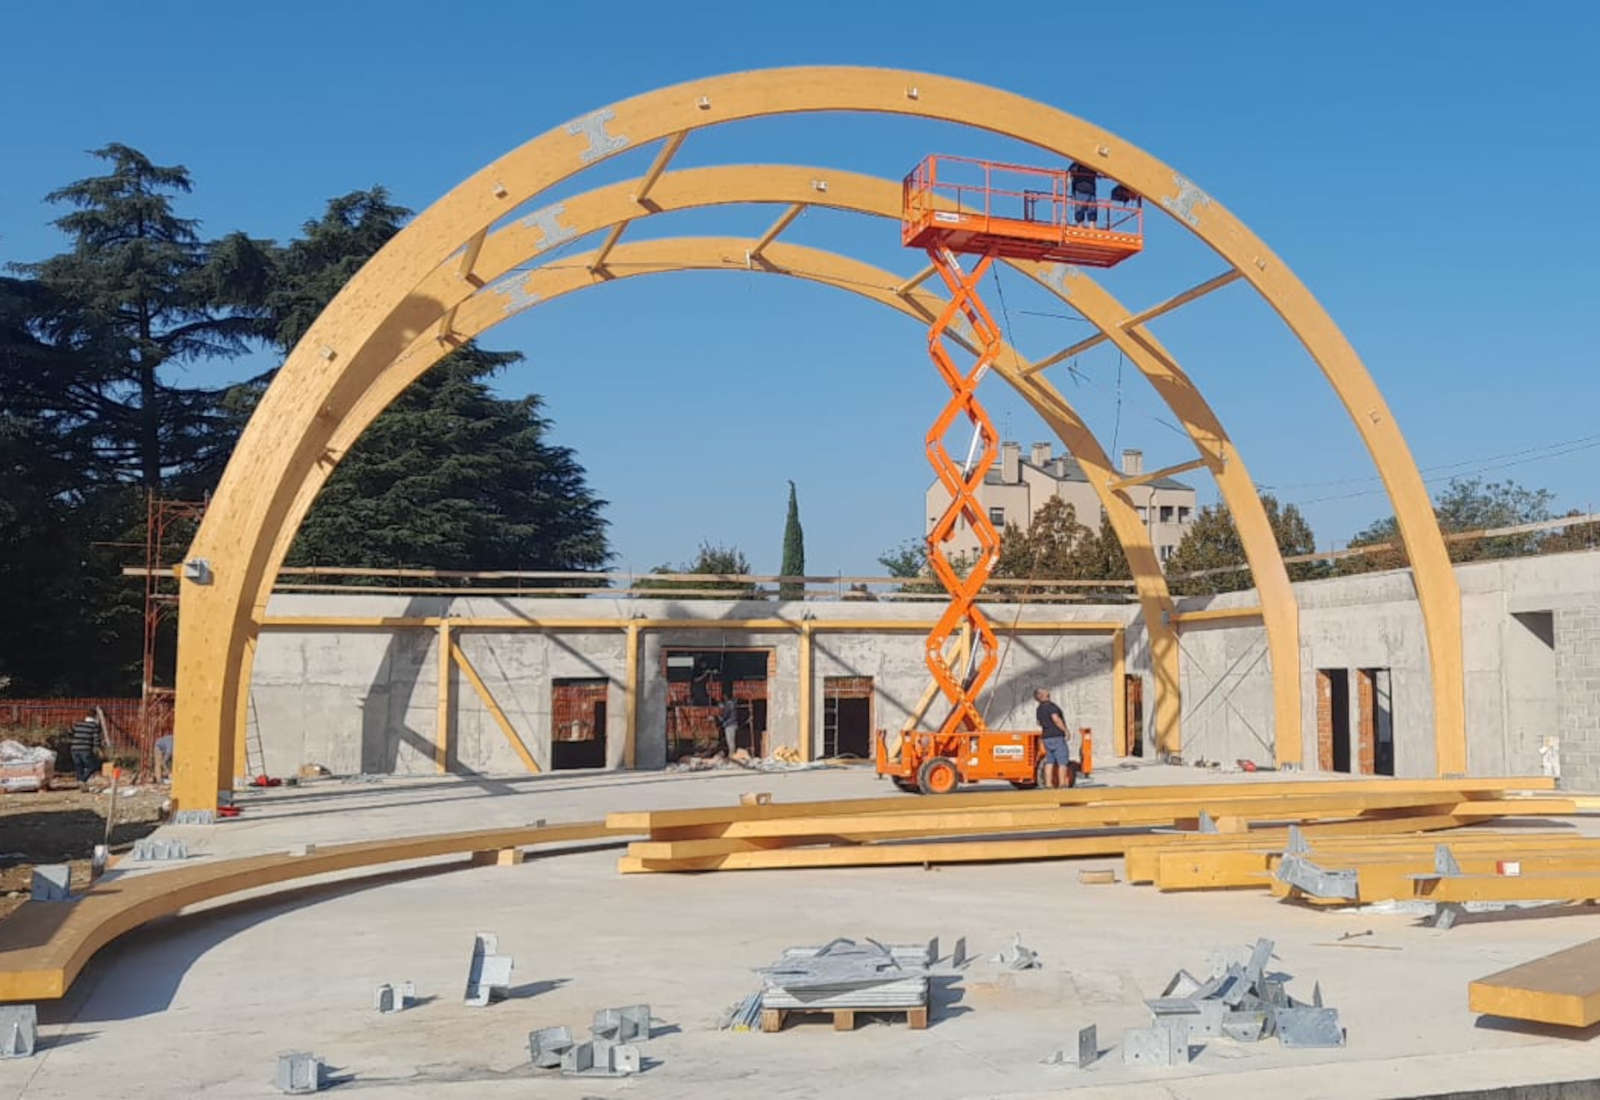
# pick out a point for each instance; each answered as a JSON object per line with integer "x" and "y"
{"x": 1054, "y": 736}
{"x": 86, "y": 747}
{"x": 1125, "y": 195}
{"x": 1084, "y": 181}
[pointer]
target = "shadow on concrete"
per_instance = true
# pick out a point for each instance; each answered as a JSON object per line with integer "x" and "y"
{"x": 151, "y": 961}
{"x": 534, "y": 989}
{"x": 67, "y": 1039}
{"x": 1535, "y": 1029}
{"x": 944, "y": 998}
{"x": 1555, "y": 910}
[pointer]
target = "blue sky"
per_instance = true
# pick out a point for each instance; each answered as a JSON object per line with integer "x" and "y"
{"x": 1427, "y": 168}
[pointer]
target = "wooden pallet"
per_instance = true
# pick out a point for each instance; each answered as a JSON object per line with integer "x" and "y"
{"x": 844, "y": 1019}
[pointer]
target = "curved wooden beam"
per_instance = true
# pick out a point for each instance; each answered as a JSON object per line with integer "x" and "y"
{"x": 509, "y": 297}
{"x": 394, "y": 297}
{"x": 1280, "y": 612}
{"x": 607, "y": 207}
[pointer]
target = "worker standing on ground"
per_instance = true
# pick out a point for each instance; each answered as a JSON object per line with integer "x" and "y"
{"x": 730, "y": 722}
{"x": 1054, "y": 735}
{"x": 86, "y": 747}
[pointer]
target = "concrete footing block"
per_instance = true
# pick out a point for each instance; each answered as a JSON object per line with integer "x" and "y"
{"x": 152, "y": 849}
{"x": 547, "y": 1045}
{"x": 600, "y": 1058}
{"x": 488, "y": 973}
{"x": 299, "y": 1072}
{"x": 19, "y": 1030}
{"x": 52, "y": 882}
{"x": 622, "y": 1025}
{"x": 396, "y": 997}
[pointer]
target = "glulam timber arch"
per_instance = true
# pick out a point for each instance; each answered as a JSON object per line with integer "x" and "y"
{"x": 611, "y": 207}
{"x": 393, "y": 298}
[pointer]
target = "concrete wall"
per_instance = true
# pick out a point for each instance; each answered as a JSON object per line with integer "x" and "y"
{"x": 1523, "y": 683}
{"x": 366, "y": 700}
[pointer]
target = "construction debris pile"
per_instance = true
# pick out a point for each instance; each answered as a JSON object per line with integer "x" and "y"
{"x": 1239, "y": 1001}
{"x": 610, "y": 1051}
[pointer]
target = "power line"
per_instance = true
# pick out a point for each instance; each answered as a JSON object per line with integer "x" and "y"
{"x": 1535, "y": 451}
{"x": 1447, "y": 477}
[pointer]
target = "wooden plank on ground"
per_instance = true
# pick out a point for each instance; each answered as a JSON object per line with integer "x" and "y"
{"x": 654, "y": 820}
{"x": 977, "y": 851}
{"x": 1560, "y": 885}
{"x": 1142, "y": 861}
{"x": 1167, "y": 811}
{"x": 1562, "y": 988}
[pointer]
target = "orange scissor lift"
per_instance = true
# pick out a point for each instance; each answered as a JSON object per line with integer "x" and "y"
{"x": 954, "y": 206}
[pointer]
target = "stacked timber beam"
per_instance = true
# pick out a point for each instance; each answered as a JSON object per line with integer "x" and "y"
{"x": 1141, "y": 824}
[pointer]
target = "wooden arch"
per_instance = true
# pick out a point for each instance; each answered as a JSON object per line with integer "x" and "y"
{"x": 405, "y": 288}
{"x": 609, "y": 207}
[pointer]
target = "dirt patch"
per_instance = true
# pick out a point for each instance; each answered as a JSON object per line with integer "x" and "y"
{"x": 63, "y": 826}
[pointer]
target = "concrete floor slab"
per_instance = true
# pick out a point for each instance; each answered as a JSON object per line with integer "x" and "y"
{"x": 204, "y": 1002}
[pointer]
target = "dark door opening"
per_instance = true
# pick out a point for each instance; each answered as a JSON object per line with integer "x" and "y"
{"x": 578, "y": 723}
{"x": 1134, "y": 735}
{"x": 1333, "y": 719}
{"x": 847, "y": 716}
{"x": 698, "y": 682}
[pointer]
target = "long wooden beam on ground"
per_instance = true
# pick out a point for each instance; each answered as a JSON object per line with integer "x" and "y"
{"x": 978, "y": 851}
{"x": 1562, "y": 988}
{"x": 653, "y": 820}
{"x": 711, "y": 840}
{"x": 44, "y": 944}
{"x": 1558, "y": 885}
{"x": 1142, "y": 864}
{"x": 1122, "y": 813}
{"x": 1381, "y": 875}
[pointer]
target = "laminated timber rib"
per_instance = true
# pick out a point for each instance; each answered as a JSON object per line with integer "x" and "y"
{"x": 357, "y": 339}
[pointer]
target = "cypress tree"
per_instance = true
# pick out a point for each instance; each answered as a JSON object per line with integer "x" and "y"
{"x": 794, "y": 552}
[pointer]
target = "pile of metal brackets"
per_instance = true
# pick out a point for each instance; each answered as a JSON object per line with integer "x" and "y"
{"x": 611, "y": 1050}
{"x": 1242, "y": 1002}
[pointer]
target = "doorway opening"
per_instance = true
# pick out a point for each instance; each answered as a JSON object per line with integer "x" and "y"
{"x": 1376, "y": 710}
{"x": 1333, "y": 719}
{"x": 847, "y": 716}
{"x": 1133, "y": 727}
{"x": 578, "y": 723}
{"x": 699, "y": 681}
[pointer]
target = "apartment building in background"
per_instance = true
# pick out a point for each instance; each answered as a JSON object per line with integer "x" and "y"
{"x": 1017, "y": 487}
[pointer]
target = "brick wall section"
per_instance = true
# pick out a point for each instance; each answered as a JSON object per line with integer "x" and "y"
{"x": 572, "y": 709}
{"x": 847, "y": 687}
{"x": 1324, "y": 721}
{"x": 1366, "y": 727}
{"x": 1577, "y": 629}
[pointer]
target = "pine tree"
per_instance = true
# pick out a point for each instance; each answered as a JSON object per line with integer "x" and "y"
{"x": 794, "y": 552}
{"x": 139, "y": 291}
{"x": 50, "y": 502}
{"x": 449, "y": 475}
